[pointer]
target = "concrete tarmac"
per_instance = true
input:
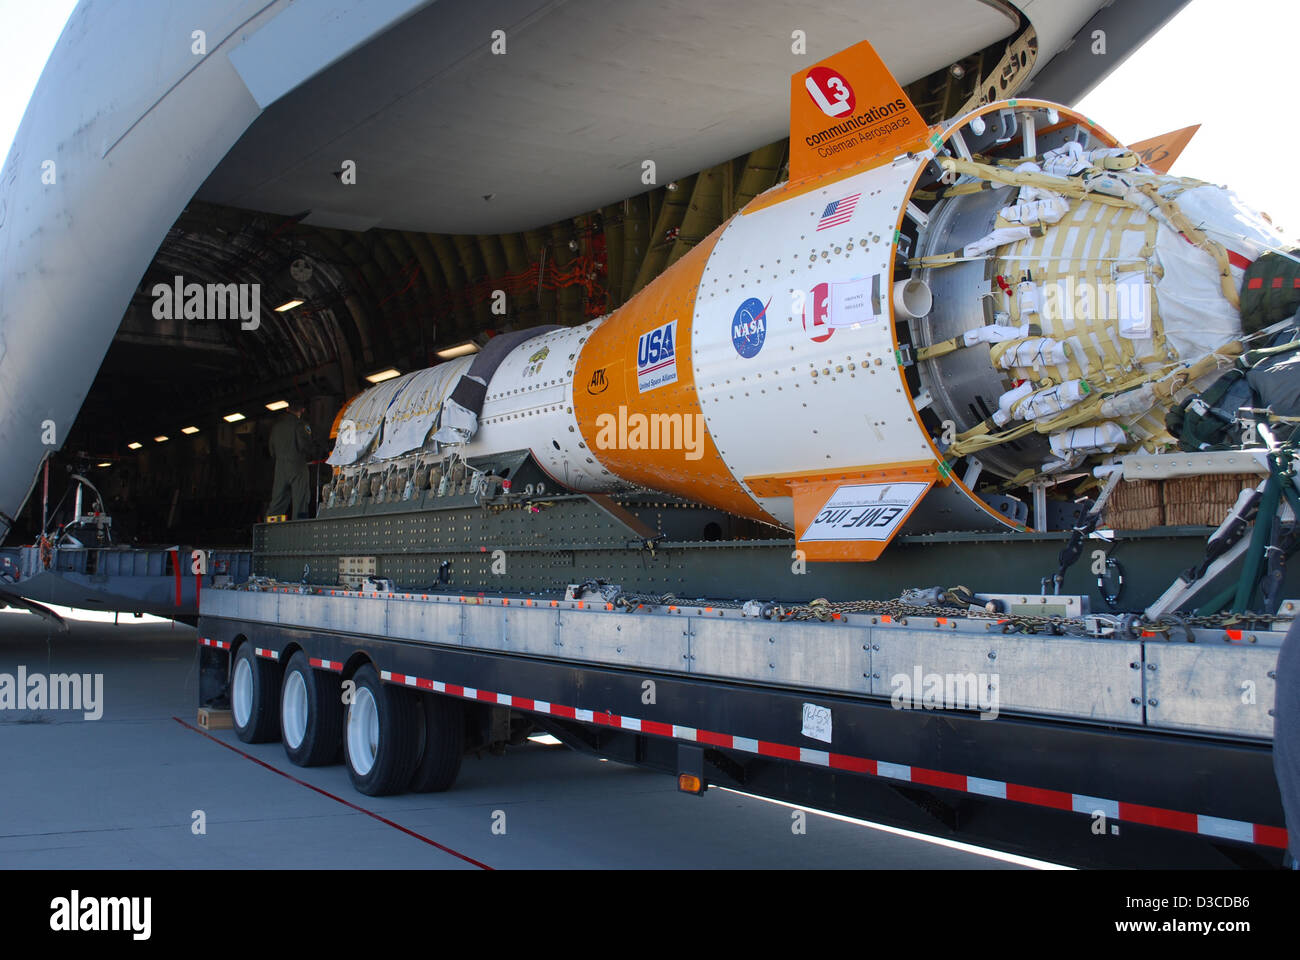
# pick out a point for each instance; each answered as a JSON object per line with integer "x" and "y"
{"x": 131, "y": 788}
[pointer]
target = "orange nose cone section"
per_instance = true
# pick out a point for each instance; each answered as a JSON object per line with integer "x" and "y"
{"x": 634, "y": 394}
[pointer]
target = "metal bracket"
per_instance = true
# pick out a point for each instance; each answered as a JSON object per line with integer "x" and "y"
{"x": 622, "y": 515}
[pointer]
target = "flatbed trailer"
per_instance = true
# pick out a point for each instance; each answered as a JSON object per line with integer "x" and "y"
{"x": 1139, "y": 750}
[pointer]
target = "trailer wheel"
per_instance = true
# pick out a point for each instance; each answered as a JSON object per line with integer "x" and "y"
{"x": 254, "y": 696}
{"x": 442, "y": 743}
{"x": 379, "y": 735}
{"x": 311, "y": 713}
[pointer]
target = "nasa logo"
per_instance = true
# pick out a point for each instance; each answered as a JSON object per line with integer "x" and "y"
{"x": 817, "y": 330}
{"x": 599, "y": 383}
{"x": 830, "y": 91}
{"x": 749, "y": 327}
{"x": 656, "y": 357}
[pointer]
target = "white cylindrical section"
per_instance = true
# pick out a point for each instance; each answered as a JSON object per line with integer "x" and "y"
{"x": 529, "y": 406}
{"x": 912, "y": 299}
{"x": 817, "y": 386}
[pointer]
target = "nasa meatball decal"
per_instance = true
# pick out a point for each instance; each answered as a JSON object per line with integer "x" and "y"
{"x": 749, "y": 327}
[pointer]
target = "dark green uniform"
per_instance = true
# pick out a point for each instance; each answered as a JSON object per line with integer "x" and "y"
{"x": 290, "y": 445}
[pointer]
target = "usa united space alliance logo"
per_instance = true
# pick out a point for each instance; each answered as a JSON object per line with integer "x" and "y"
{"x": 80, "y": 914}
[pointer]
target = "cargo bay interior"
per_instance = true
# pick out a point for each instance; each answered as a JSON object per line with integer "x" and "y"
{"x": 395, "y": 268}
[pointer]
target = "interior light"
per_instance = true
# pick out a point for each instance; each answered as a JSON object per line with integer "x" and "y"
{"x": 383, "y": 375}
{"x": 460, "y": 350}
{"x": 233, "y": 417}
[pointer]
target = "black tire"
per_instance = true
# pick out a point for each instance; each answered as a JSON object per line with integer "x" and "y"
{"x": 311, "y": 701}
{"x": 441, "y": 743}
{"x": 254, "y": 696}
{"x": 393, "y": 756}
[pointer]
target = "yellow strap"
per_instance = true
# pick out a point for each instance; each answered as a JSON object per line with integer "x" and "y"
{"x": 940, "y": 349}
{"x": 1125, "y": 161}
{"x": 1062, "y": 185}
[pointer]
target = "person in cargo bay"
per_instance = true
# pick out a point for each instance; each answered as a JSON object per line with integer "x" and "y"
{"x": 290, "y": 446}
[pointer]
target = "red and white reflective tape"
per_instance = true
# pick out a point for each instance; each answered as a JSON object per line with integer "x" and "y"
{"x": 219, "y": 644}
{"x": 267, "y": 654}
{"x": 326, "y": 664}
{"x": 1239, "y": 830}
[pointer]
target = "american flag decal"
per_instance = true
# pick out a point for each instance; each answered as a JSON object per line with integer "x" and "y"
{"x": 837, "y": 212}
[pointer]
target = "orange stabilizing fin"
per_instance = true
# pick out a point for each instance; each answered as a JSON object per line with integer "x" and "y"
{"x": 852, "y": 515}
{"x": 846, "y": 109}
{"x": 1159, "y": 153}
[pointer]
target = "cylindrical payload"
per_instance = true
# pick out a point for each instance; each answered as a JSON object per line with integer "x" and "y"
{"x": 829, "y": 358}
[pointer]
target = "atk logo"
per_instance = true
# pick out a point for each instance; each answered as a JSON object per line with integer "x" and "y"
{"x": 598, "y": 383}
{"x": 820, "y": 309}
{"x": 656, "y": 357}
{"x": 830, "y": 91}
{"x": 749, "y": 327}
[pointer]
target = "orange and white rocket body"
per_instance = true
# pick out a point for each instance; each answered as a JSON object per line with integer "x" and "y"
{"x": 789, "y": 367}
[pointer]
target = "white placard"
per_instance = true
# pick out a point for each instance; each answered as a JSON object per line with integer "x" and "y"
{"x": 854, "y": 301}
{"x": 817, "y": 722}
{"x": 1133, "y": 294}
{"x": 865, "y": 511}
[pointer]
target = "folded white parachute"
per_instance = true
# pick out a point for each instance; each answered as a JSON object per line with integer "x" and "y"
{"x": 1053, "y": 400}
{"x": 1070, "y": 158}
{"x": 1131, "y": 403}
{"x": 1007, "y": 403}
{"x": 1103, "y": 438}
{"x": 995, "y": 239}
{"x": 1066, "y": 160}
{"x": 1035, "y": 352}
{"x": 1048, "y": 207}
{"x": 994, "y": 333}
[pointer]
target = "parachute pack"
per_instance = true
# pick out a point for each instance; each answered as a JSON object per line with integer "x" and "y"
{"x": 1270, "y": 291}
{"x": 1267, "y": 378}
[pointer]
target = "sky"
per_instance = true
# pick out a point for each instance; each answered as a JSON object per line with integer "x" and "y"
{"x": 1226, "y": 64}
{"x": 28, "y": 31}
{"x": 1229, "y": 65}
